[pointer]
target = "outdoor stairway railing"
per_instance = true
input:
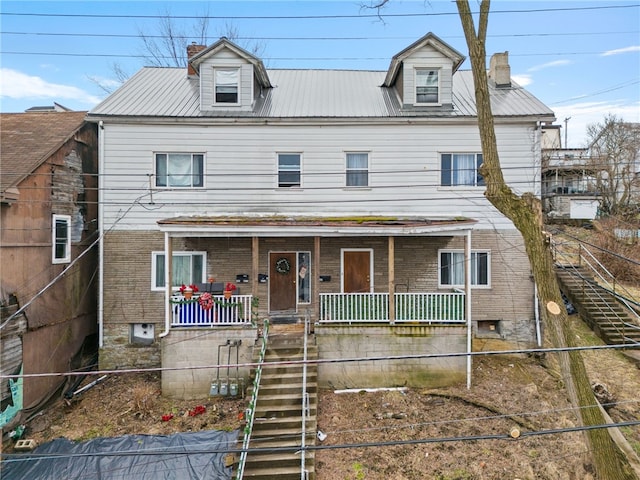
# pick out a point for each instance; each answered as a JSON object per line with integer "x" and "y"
{"x": 250, "y": 412}
{"x": 306, "y": 409}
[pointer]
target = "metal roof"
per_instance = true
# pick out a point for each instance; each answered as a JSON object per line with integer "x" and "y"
{"x": 169, "y": 92}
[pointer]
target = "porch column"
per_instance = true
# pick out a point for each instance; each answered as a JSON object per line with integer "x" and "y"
{"x": 392, "y": 278}
{"x": 315, "y": 284}
{"x": 168, "y": 276}
{"x": 255, "y": 264}
{"x": 467, "y": 299}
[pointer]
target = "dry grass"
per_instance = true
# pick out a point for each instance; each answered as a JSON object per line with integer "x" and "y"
{"x": 144, "y": 399}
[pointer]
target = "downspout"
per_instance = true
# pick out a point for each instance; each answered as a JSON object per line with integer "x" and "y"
{"x": 101, "y": 234}
{"x": 467, "y": 297}
{"x": 536, "y": 309}
{"x": 167, "y": 285}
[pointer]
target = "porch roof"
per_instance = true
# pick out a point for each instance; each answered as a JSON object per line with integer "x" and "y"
{"x": 307, "y": 226}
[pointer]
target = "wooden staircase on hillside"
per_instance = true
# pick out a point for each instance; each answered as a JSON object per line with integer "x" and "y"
{"x": 606, "y": 316}
{"x": 279, "y": 412}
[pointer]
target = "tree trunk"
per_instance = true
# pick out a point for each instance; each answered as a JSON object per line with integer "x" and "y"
{"x": 526, "y": 214}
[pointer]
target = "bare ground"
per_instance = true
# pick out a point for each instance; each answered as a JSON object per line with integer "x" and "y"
{"x": 508, "y": 392}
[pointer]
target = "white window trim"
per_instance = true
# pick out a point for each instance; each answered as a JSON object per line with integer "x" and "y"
{"x": 293, "y": 187}
{"x": 455, "y": 250}
{"x": 230, "y": 104}
{"x": 67, "y": 257}
{"x": 173, "y": 187}
{"x": 347, "y": 170}
{"x": 415, "y": 86}
{"x": 154, "y": 255}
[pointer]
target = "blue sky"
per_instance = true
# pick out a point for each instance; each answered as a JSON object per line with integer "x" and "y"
{"x": 581, "y": 58}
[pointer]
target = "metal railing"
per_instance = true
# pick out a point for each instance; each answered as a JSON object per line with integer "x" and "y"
{"x": 250, "y": 411}
{"x": 190, "y": 313}
{"x": 409, "y": 307}
{"x": 306, "y": 407}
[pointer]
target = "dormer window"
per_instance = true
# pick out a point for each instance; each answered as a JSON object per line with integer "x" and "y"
{"x": 226, "y": 85}
{"x": 427, "y": 86}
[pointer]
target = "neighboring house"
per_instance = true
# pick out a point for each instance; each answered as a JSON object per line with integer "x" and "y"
{"x": 352, "y": 198}
{"x": 48, "y": 209}
{"x": 568, "y": 180}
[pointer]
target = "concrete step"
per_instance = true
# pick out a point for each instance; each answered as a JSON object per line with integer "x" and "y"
{"x": 271, "y": 388}
{"x": 293, "y": 399}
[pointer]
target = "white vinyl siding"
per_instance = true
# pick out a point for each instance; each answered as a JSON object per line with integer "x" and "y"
{"x": 187, "y": 268}
{"x": 241, "y": 170}
{"x": 61, "y": 239}
{"x": 451, "y": 268}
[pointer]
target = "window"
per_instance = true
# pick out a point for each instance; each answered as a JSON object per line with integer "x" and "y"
{"x": 304, "y": 277}
{"x": 288, "y": 169}
{"x": 181, "y": 170}
{"x": 461, "y": 169}
{"x": 226, "y": 85}
{"x": 357, "y": 169}
{"x": 61, "y": 239}
{"x": 426, "y": 85}
{"x": 188, "y": 268}
{"x": 451, "y": 268}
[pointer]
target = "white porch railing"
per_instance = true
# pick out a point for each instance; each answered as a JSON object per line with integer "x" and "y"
{"x": 189, "y": 313}
{"x": 409, "y": 307}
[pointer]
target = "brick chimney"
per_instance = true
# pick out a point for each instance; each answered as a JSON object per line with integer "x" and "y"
{"x": 193, "y": 50}
{"x": 499, "y": 70}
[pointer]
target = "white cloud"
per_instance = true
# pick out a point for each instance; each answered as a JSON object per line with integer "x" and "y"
{"x": 618, "y": 51}
{"x": 523, "y": 80}
{"x": 17, "y": 85}
{"x": 555, "y": 63}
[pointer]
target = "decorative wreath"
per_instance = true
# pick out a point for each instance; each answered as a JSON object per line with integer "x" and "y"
{"x": 283, "y": 266}
{"x": 206, "y": 301}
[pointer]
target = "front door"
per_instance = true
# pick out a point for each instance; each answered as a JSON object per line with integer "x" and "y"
{"x": 356, "y": 266}
{"x": 282, "y": 282}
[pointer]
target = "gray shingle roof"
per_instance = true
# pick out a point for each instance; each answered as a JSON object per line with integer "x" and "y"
{"x": 169, "y": 92}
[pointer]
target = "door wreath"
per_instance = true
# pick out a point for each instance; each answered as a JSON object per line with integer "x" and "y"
{"x": 283, "y": 266}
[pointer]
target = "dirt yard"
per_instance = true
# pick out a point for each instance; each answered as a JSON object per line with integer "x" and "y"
{"x": 507, "y": 393}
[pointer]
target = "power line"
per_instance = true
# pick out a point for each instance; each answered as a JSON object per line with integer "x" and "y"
{"x": 308, "y": 17}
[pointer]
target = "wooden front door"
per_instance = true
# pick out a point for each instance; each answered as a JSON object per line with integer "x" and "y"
{"x": 357, "y": 271}
{"x": 282, "y": 282}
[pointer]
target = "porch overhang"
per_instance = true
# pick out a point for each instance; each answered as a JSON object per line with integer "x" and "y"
{"x": 292, "y": 226}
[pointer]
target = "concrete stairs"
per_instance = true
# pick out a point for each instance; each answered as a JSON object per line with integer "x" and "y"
{"x": 279, "y": 412}
{"x": 607, "y": 317}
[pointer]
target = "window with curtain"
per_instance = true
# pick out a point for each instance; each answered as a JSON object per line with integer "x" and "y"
{"x": 61, "y": 239}
{"x": 226, "y": 86}
{"x": 179, "y": 170}
{"x": 451, "y": 268}
{"x": 461, "y": 169}
{"x": 357, "y": 169}
{"x": 426, "y": 85}
{"x": 289, "y": 170}
{"x": 187, "y": 268}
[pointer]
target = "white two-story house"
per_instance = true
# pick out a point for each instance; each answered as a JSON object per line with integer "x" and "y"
{"x": 348, "y": 198}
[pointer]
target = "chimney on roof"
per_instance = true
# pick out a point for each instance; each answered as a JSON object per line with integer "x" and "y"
{"x": 499, "y": 70}
{"x": 193, "y": 50}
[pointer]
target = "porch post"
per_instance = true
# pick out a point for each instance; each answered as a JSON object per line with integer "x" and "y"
{"x": 467, "y": 298}
{"x": 255, "y": 264}
{"x": 315, "y": 287}
{"x": 392, "y": 279}
{"x": 168, "y": 276}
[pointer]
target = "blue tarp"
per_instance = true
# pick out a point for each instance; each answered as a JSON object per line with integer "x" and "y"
{"x": 180, "y": 456}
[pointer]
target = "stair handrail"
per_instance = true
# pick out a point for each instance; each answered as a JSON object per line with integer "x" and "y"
{"x": 306, "y": 410}
{"x": 583, "y": 259}
{"x": 250, "y": 412}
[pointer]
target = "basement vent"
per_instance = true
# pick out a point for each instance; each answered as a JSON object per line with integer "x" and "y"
{"x": 141, "y": 334}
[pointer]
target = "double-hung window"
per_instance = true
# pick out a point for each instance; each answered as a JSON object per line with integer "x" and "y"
{"x": 461, "y": 169}
{"x": 187, "y": 268}
{"x": 179, "y": 170}
{"x": 226, "y": 85}
{"x": 427, "y": 86}
{"x": 61, "y": 239}
{"x": 289, "y": 169}
{"x": 451, "y": 268}
{"x": 357, "y": 169}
